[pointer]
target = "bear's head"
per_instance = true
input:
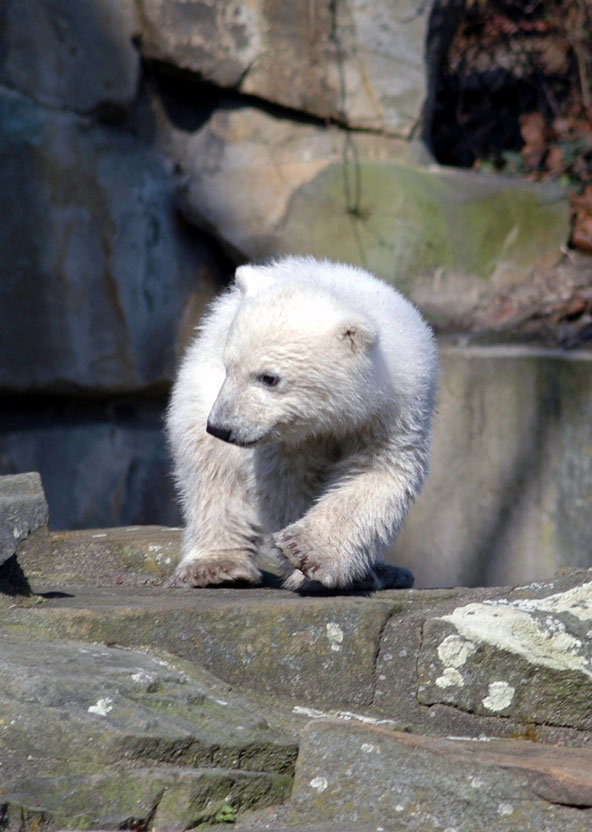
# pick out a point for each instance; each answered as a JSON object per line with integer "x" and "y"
{"x": 299, "y": 363}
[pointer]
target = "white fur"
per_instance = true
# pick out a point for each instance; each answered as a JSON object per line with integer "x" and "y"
{"x": 320, "y": 468}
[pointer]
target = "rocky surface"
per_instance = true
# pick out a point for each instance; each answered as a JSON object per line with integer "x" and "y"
{"x": 412, "y": 782}
{"x": 102, "y": 736}
{"x": 67, "y": 60}
{"x": 127, "y": 705}
{"x": 104, "y": 462}
{"x": 150, "y": 146}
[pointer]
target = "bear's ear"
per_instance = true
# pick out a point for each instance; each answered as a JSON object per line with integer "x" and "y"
{"x": 358, "y": 333}
{"x": 251, "y": 279}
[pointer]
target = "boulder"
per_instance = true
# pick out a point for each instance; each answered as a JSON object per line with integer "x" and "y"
{"x": 135, "y": 555}
{"x": 357, "y": 62}
{"x": 527, "y": 656}
{"x": 279, "y": 644}
{"x": 72, "y": 56}
{"x": 23, "y": 511}
{"x": 95, "y": 258}
{"x": 244, "y": 167}
{"x": 267, "y": 187}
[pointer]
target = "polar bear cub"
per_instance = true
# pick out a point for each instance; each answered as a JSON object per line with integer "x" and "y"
{"x": 300, "y": 427}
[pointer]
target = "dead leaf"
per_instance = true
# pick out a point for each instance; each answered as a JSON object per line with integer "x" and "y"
{"x": 581, "y": 237}
{"x": 533, "y": 131}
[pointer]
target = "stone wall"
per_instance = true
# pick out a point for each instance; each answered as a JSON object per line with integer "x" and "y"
{"x": 150, "y": 146}
{"x": 509, "y": 495}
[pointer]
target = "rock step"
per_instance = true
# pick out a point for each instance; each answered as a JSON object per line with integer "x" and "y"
{"x": 499, "y": 662}
{"x": 372, "y": 776}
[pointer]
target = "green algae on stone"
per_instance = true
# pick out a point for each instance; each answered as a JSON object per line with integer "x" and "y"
{"x": 440, "y": 235}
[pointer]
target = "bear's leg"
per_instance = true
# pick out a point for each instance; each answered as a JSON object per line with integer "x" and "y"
{"x": 338, "y": 541}
{"x": 221, "y": 530}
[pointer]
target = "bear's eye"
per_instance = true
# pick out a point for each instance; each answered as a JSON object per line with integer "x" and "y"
{"x": 268, "y": 380}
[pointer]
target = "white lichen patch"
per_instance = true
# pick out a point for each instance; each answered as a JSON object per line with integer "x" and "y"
{"x": 102, "y": 707}
{"x": 143, "y": 677}
{"x": 319, "y": 784}
{"x": 451, "y": 678}
{"x": 505, "y": 809}
{"x": 335, "y": 635}
{"x": 347, "y": 716}
{"x": 455, "y": 650}
{"x": 509, "y": 628}
{"x": 576, "y": 601}
{"x": 499, "y": 696}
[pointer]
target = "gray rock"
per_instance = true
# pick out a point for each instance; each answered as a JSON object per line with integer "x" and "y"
{"x": 507, "y": 500}
{"x": 23, "y": 510}
{"x": 136, "y": 555}
{"x": 77, "y": 56}
{"x": 273, "y": 642}
{"x": 383, "y": 653}
{"x": 109, "y": 283}
{"x": 407, "y": 782}
{"x": 494, "y": 663}
{"x": 358, "y": 62}
{"x": 244, "y": 167}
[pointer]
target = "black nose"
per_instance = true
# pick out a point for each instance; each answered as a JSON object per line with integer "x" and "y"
{"x": 219, "y": 433}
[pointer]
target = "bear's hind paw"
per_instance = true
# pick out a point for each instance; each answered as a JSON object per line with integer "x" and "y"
{"x": 224, "y": 571}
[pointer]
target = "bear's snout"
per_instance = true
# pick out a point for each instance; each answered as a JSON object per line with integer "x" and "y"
{"x": 219, "y": 432}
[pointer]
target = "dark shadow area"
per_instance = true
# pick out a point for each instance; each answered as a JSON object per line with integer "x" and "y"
{"x": 54, "y": 594}
{"x": 490, "y": 65}
{"x": 13, "y": 580}
{"x": 190, "y": 101}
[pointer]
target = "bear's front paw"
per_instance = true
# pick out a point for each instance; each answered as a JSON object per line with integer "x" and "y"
{"x": 215, "y": 572}
{"x": 292, "y": 544}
